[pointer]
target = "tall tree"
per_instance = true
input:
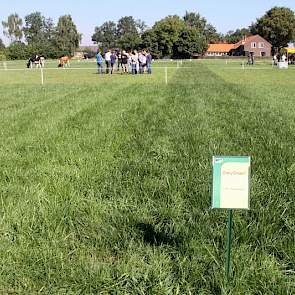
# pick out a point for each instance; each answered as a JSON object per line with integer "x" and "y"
{"x": 129, "y": 41}
{"x": 277, "y": 26}
{"x": 13, "y": 27}
{"x": 141, "y": 26}
{"x": 189, "y": 43}
{"x": 67, "y": 36}
{"x": 126, "y": 25}
{"x": 167, "y": 33}
{"x": 37, "y": 28}
{"x": 211, "y": 34}
{"x": 237, "y": 35}
{"x": 177, "y": 37}
{"x": 106, "y": 35}
{"x": 128, "y": 32}
{"x": 150, "y": 42}
{"x": 196, "y": 21}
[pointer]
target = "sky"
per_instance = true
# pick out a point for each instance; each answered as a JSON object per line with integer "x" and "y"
{"x": 225, "y": 15}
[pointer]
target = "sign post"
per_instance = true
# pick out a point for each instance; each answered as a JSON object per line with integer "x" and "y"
{"x": 231, "y": 187}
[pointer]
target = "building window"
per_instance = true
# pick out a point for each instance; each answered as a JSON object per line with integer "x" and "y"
{"x": 253, "y": 45}
{"x": 263, "y": 53}
{"x": 261, "y": 44}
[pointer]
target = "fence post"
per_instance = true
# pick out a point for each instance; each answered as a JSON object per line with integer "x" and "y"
{"x": 166, "y": 75}
{"x": 42, "y": 75}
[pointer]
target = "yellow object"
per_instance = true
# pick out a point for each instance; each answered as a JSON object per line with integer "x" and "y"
{"x": 290, "y": 50}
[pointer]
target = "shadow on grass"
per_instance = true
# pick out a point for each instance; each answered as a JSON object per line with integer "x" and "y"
{"x": 155, "y": 238}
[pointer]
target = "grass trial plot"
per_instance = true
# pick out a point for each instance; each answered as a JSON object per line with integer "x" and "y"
{"x": 105, "y": 181}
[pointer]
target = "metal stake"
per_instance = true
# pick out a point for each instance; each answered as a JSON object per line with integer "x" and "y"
{"x": 229, "y": 243}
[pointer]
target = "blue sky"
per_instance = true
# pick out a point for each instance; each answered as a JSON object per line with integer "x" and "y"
{"x": 224, "y": 14}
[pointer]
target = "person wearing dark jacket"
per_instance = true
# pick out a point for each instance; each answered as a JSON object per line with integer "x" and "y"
{"x": 149, "y": 60}
{"x": 113, "y": 61}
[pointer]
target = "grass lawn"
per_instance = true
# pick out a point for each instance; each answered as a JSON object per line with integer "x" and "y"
{"x": 106, "y": 180}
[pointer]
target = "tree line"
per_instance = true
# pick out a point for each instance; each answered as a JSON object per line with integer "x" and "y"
{"x": 172, "y": 36}
{"x": 41, "y": 36}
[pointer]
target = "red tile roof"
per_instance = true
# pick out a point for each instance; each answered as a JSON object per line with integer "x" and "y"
{"x": 220, "y": 47}
{"x": 228, "y": 47}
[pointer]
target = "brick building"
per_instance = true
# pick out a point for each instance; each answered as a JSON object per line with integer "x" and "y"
{"x": 253, "y": 44}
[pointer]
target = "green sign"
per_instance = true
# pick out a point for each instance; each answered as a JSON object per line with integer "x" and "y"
{"x": 231, "y": 183}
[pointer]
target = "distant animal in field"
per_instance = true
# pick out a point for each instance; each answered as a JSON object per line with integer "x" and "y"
{"x": 64, "y": 62}
{"x": 36, "y": 61}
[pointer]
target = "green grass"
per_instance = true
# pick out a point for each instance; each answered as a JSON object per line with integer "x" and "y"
{"x": 105, "y": 181}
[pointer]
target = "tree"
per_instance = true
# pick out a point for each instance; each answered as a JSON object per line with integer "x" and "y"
{"x": 127, "y": 25}
{"x": 167, "y": 33}
{"x": 129, "y": 41}
{"x": 195, "y": 20}
{"x": 128, "y": 32}
{"x": 17, "y": 50}
{"x": 211, "y": 34}
{"x": 2, "y": 46}
{"x": 237, "y": 35}
{"x": 277, "y": 26}
{"x": 106, "y": 35}
{"x": 67, "y": 36}
{"x": 190, "y": 42}
{"x": 40, "y": 33}
{"x": 141, "y": 26}
{"x": 149, "y": 40}
{"x": 38, "y": 29}
{"x": 13, "y": 27}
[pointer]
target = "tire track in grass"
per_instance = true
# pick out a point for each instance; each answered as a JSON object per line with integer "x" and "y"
{"x": 237, "y": 124}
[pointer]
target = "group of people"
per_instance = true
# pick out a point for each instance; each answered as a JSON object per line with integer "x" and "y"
{"x": 132, "y": 62}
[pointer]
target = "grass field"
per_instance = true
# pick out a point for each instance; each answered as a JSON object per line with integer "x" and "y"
{"x": 106, "y": 180}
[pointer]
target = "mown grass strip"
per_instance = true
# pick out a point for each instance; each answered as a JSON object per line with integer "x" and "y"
{"x": 115, "y": 196}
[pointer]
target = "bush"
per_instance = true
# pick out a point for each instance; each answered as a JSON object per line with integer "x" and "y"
{"x": 2, "y": 55}
{"x": 17, "y": 50}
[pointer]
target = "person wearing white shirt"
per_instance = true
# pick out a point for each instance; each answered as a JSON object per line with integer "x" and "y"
{"x": 107, "y": 58}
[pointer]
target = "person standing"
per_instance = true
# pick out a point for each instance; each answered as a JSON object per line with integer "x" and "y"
{"x": 252, "y": 58}
{"x": 113, "y": 61}
{"x": 149, "y": 62}
{"x": 124, "y": 58}
{"x": 119, "y": 57}
{"x": 142, "y": 62}
{"x": 135, "y": 64}
{"x": 130, "y": 62}
{"x": 99, "y": 61}
{"x": 107, "y": 58}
